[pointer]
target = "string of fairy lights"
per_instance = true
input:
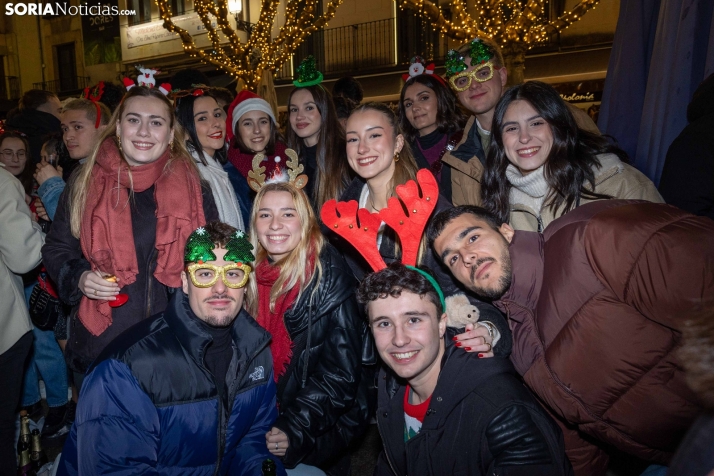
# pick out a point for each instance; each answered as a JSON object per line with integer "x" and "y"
{"x": 237, "y": 58}
{"x": 509, "y": 22}
{"x": 506, "y": 21}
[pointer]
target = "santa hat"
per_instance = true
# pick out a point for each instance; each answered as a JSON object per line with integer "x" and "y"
{"x": 245, "y": 101}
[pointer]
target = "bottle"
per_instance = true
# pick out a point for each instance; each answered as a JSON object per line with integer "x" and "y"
{"x": 269, "y": 468}
{"x": 24, "y": 467}
{"x": 37, "y": 456}
{"x": 24, "y": 431}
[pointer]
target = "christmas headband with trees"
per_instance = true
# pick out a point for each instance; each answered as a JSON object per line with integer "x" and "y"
{"x": 294, "y": 175}
{"x": 199, "y": 248}
{"x": 479, "y": 52}
{"x": 307, "y": 73}
{"x": 407, "y": 215}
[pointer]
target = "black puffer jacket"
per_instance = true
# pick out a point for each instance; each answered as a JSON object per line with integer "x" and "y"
{"x": 449, "y": 285}
{"x": 65, "y": 263}
{"x": 323, "y": 396}
{"x": 481, "y": 421}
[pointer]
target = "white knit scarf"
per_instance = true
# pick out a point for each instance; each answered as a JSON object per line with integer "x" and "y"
{"x": 223, "y": 193}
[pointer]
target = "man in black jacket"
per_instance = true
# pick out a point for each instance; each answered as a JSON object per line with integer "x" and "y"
{"x": 442, "y": 410}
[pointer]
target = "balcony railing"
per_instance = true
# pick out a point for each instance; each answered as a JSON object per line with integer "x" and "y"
{"x": 57, "y": 86}
{"x": 368, "y": 47}
{"x": 9, "y": 87}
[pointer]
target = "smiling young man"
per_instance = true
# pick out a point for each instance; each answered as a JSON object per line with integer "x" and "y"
{"x": 188, "y": 390}
{"x": 442, "y": 411}
{"x": 596, "y": 304}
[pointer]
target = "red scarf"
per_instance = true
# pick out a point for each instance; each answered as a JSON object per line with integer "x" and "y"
{"x": 106, "y": 222}
{"x": 244, "y": 162}
{"x": 273, "y": 322}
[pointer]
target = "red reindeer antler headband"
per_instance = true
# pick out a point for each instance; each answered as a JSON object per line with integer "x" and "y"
{"x": 95, "y": 95}
{"x": 360, "y": 227}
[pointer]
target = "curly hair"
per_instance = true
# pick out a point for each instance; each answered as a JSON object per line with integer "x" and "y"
{"x": 392, "y": 281}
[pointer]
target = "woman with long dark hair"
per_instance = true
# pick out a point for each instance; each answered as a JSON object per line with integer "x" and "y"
{"x": 122, "y": 224}
{"x": 432, "y": 124}
{"x": 204, "y": 123}
{"x": 541, "y": 165}
{"x": 316, "y": 135}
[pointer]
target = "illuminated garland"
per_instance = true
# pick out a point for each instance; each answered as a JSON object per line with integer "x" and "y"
{"x": 238, "y": 59}
{"x": 506, "y": 21}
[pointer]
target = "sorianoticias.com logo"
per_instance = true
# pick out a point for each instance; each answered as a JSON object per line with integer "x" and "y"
{"x": 57, "y": 8}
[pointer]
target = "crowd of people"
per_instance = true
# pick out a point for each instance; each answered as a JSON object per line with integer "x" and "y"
{"x": 481, "y": 273}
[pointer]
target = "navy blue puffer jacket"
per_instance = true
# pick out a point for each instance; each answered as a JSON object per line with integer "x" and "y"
{"x": 150, "y": 406}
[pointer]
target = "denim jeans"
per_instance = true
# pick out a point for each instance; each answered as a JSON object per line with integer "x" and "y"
{"x": 46, "y": 360}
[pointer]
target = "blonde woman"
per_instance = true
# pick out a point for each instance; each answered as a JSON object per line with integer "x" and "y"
{"x": 305, "y": 299}
{"x": 127, "y": 212}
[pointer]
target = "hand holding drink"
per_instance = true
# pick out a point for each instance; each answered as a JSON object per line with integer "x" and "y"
{"x": 102, "y": 259}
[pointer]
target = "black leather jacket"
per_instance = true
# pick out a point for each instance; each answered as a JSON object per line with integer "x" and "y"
{"x": 323, "y": 396}
{"x": 481, "y": 421}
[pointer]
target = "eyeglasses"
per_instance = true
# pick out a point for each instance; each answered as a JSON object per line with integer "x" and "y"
{"x": 462, "y": 81}
{"x": 7, "y": 154}
{"x": 204, "y": 275}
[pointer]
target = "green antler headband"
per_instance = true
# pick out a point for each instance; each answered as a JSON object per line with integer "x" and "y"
{"x": 199, "y": 248}
{"x": 479, "y": 52}
{"x": 307, "y": 73}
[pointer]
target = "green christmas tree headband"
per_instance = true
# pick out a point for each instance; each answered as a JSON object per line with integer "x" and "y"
{"x": 307, "y": 73}
{"x": 479, "y": 52}
{"x": 199, "y": 248}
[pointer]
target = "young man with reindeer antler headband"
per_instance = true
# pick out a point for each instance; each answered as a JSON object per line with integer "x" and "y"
{"x": 305, "y": 299}
{"x": 441, "y": 411}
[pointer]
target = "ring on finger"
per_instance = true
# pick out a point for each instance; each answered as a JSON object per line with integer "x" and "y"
{"x": 95, "y": 292}
{"x": 489, "y": 346}
{"x": 276, "y": 447}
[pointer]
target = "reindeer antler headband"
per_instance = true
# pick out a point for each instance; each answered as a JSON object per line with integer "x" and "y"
{"x": 95, "y": 95}
{"x": 257, "y": 179}
{"x": 360, "y": 227}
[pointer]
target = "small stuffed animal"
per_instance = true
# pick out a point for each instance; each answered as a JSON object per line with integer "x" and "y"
{"x": 460, "y": 311}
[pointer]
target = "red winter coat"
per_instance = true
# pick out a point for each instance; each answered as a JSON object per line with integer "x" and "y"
{"x": 596, "y": 306}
